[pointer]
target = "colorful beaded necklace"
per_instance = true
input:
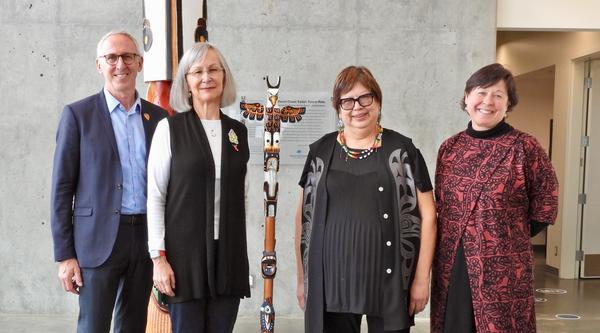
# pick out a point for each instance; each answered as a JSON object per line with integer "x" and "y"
{"x": 360, "y": 154}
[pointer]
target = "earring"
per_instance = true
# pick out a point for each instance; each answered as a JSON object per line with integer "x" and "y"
{"x": 340, "y": 125}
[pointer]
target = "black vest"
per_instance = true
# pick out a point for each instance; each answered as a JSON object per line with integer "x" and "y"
{"x": 201, "y": 270}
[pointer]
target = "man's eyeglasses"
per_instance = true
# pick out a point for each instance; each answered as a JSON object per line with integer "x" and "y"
{"x": 112, "y": 59}
{"x": 363, "y": 100}
{"x": 211, "y": 71}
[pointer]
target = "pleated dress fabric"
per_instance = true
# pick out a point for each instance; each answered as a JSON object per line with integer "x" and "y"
{"x": 352, "y": 253}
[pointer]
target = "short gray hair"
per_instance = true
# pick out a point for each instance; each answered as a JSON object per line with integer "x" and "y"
{"x": 180, "y": 91}
{"x": 117, "y": 32}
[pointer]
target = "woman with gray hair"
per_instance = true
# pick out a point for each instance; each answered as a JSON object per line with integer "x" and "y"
{"x": 196, "y": 215}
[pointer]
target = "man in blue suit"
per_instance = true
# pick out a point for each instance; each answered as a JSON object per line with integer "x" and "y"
{"x": 98, "y": 208}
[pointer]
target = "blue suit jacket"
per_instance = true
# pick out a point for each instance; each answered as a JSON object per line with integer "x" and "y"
{"x": 87, "y": 180}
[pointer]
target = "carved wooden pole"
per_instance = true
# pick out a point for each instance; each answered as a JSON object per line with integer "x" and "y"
{"x": 272, "y": 116}
{"x": 170, "y": 28}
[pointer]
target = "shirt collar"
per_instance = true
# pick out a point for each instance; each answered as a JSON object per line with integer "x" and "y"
{"x": 113, "y": 103}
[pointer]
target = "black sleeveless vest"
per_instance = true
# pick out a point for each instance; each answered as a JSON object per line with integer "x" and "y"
{"x": 201, "y": 270}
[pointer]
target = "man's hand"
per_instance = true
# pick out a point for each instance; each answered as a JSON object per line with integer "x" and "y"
{"x": 69, "y": 275}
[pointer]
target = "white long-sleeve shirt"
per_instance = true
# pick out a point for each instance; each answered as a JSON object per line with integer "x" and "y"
{"x": 159, "y": 171}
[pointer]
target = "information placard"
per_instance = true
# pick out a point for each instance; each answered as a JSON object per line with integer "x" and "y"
{"x": 295, "y": 137}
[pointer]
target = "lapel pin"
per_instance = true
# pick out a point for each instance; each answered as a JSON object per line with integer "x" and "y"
{"x": 233, "y": 139}
{"x": 146, "y": 116}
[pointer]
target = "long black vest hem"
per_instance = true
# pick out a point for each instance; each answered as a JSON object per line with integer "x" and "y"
{"x": 200, "y": 269}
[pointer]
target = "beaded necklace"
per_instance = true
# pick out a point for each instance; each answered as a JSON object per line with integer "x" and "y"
{"x": 360, "y": 154}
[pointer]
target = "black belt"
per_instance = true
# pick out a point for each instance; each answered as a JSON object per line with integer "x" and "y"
{"x": 133, "y": 219}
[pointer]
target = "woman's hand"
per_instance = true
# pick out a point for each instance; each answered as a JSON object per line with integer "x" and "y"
{"x": 163, "y": 276}
{"x": 300, "y": 294}
{"x": 419, "y": 295}
{"x": 419, "y": 291}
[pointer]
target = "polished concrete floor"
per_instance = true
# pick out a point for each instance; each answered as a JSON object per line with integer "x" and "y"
{"x": 582, "y": 298}
{"x": 572, "y": 297}
{"x": 62, "y": 324}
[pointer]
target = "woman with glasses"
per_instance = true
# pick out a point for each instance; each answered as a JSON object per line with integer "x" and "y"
{"x": 365, "y": 226}
{"x": 495, "y": 188}
{"x": 196, "y": 215}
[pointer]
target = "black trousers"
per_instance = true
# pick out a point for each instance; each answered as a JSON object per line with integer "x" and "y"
{"x": 459, "y": 315}
{"x": 336, "y": 322}
{"x": 204, "y": 315}
{"x": 122, "y": 283}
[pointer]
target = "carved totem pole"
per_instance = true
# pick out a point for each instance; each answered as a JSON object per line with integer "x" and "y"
{"x": 170, "y": 28}
{"x": 272, "y": 116}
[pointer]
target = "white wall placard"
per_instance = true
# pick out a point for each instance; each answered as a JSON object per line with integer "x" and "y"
{"x": 318, "y": 120}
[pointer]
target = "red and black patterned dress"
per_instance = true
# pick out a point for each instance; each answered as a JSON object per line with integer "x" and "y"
{"x": 490, "y": 188}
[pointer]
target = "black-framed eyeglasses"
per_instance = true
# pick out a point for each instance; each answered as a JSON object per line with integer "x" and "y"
{"x": 112, "y": 59}
{"x": 211, "y": 71}
{"x": 363, "y": 100}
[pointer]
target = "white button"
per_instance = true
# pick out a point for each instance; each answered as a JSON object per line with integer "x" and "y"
{"x": 385, "y": 216}
{"x": 388, "y": 243}
{"x": 380, "y": 189}
{"x": 389, "y": 271}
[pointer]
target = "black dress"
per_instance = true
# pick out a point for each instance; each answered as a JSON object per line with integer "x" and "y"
{"x": 352, "y": 250}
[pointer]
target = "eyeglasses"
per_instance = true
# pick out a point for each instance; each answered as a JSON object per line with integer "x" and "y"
{"x": 112, "y": 59}
{"x": 211, "y": 71}
{"x": 363, "y": 100}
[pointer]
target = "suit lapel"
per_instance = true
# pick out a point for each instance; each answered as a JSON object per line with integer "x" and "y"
{"x": 104, "y": 116}
{"x": 148, "y": 122}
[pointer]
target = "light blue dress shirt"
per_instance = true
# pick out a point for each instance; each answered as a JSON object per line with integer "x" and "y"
{"x": 131, "y": 143}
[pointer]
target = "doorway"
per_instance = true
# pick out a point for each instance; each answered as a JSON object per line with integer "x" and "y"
{"x": 589, "y": 197}
{"x": 533, "y": 115}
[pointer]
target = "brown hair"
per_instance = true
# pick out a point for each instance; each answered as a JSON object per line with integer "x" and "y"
{"x": 350, "y": 76}
{"x": 488, "y": 76}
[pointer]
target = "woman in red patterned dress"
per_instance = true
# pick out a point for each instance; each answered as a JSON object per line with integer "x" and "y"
{"x": 495, "y": 188}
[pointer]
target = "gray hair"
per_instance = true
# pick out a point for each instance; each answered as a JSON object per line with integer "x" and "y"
{"x": 117, "y": 32}
{"x": 180, "y": 91}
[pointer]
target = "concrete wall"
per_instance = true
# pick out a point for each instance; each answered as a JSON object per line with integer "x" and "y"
{"x": 421, "y": 52}
{"x": 524, "y": 52}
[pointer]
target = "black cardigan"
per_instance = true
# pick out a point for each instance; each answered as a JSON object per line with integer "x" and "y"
{"x": 201, "y": 270}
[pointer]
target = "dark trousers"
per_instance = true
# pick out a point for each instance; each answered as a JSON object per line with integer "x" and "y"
{"x": 335, "y": 322}
{"x": 204, "y": 315}
{"x": 121, "y": 283}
